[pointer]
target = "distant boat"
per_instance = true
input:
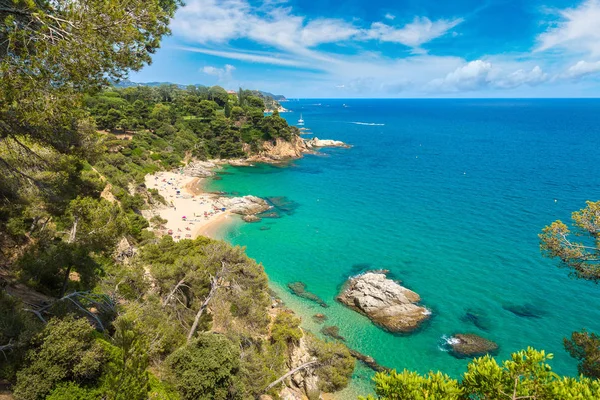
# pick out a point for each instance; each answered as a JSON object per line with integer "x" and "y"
{"x": 300, "y": 121}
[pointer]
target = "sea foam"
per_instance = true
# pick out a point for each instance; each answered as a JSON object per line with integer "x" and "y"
{"x": 367, "y": 123}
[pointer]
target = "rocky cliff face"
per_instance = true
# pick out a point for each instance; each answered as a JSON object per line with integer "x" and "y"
{"x": 384, "y": 301}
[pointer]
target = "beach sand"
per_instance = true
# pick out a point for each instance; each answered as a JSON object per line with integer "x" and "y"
{"x": 185, "y": 198}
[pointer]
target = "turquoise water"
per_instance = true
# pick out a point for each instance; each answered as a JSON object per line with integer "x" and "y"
{"x": 449, "y": 195}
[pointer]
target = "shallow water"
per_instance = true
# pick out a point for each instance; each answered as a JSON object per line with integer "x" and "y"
{"x": 449, "y": 195}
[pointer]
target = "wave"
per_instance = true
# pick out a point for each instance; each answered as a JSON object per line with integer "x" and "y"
{"x": 446, "y": 343}
{"x": 367, "y": 123}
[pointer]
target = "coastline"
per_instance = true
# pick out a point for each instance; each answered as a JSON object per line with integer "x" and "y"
{"x": 189, "y": 212}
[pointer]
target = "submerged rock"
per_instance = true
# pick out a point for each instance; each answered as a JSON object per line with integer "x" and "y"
{"x": 368, "y": 361}
{"x": 333, "y": 332}
{"x": 265, "y": 228}
{"x": 477, "y": 318}
{"x": 525, "y": 310}
{"x": 319, "y": 318}
{"x": 470, "y": 345}
{"x": 384, "y": 301}
{"x": 299, "y": 289}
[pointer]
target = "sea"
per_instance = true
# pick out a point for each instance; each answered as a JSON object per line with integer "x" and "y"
{"x": 449, "y": 196}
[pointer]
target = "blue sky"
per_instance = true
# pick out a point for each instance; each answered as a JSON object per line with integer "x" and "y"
{"x": 385, "y": 48}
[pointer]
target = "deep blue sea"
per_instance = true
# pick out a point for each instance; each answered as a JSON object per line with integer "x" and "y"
{"x": 449, "y": 195}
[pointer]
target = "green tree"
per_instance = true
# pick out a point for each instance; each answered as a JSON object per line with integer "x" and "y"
{"x": 53, "y": 52}
{"x": 581, "y": 257}
{"x": 585, "y": 347}
{"x": 527, "y": 375}
{"x": 65, "y": 350}
{"x": 127, "y": 376}
{"x": 218, "y": 95}
{"x": 205, "y": 369}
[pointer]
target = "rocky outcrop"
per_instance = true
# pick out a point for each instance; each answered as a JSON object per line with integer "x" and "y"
{"x": 470, "y": 345}
{"x": 280, "y": 150}
{"x": 316, "y": 142}
{"x": 304, "y": 379}
{"x": 246, "y": 205}
{"x": 251, "y": 218}
{"x": 384, "y": 301}
{"x": 199, "y": 169}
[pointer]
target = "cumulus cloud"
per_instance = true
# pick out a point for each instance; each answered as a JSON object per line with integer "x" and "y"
{"x": 479, "y": 74}
{"x": 472, "y": 76}
{"x": 578, "y": 30}
{"x": 389, "y": 16}
{"x": 521, "y": 77}
{"x": 223, "y": 74}
{"x": 582, "y": 69}
{"x": 415, "y": 34}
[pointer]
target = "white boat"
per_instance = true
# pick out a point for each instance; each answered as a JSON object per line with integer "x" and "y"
{"x": 300, "y": 121}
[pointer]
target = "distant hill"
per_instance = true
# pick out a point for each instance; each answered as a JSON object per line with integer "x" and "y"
{"x": 127, "y": 83}
{"x": 278, "y": 97}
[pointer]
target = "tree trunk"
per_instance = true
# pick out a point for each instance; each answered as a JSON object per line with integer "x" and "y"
{"x": 292, "y": 372}
{"x": 72, "y": 236}
{"x": 214, "y": 285}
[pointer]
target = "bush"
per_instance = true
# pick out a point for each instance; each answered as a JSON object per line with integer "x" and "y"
{"x": 66, "y": 350}
{"x": 205, "y": 369}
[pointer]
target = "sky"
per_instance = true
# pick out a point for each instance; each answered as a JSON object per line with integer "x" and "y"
{"x": 385, "y": 48}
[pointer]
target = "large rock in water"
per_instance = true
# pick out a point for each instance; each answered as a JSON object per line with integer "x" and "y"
{"x": 246, "y": 205}
{"x": 470, "y": 345}
{"x": 384, "y": 301}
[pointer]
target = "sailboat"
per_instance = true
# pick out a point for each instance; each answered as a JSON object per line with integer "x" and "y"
{"x": 300, "y": 121}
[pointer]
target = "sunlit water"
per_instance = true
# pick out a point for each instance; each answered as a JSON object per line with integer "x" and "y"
{"x": 449, "y": 195}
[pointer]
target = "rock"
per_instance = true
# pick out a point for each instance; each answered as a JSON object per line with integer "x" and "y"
{"x": 525, "y": 310}
{"x": 200, "y": 169}
{"x": 385, "y": 302}
{"x": 124, "y": 250}
{"x": 316, "y": 142}
{"x": 265, "y": 228}
{"x": 368, "y": 361}
{"x": 299, "y": 289}
{"x": 265, "y": 397}
{"x": 470, "y": 345}
{"x": 477, "y": 318}
{"x": 319, "y": 318}
{"x": 251, "y": 218}
{"x": 246, "y": 205}
{"x": 333, "y": 332}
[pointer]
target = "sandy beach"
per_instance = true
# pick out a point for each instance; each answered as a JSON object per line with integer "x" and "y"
{"x": 189, "y": 211}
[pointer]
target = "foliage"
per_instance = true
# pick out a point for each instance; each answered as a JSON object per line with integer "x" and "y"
{"x": 205, "y": 369}
{"x": 17, "y": 327}
{"x": 286, "y": 328}
{"x": 525, "y": 375}
{"x": 583, "y": 258}
{"x": 585, "y": 347}
{"x": 336, "y": 364}
{"x": 66, "y": 350}
{"x": 51, "y": 54}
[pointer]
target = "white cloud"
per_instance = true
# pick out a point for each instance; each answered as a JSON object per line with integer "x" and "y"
{"x": 213, "y": 21}
{"x": 472, "y": 76}
{"x": 578, "y": 30}
{"x": 223, "y": 74}
{"x": 479, "y": 74}
{"x": 389, "y": 16}
{"x": 521, "y": 77}
{"x": 255, "y": 57}
{"x": 415, "y": 34}
{"x": 582, "y": 69}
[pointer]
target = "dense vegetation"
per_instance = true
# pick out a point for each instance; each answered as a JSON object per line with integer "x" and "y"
{"x": 93, "y": 305}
